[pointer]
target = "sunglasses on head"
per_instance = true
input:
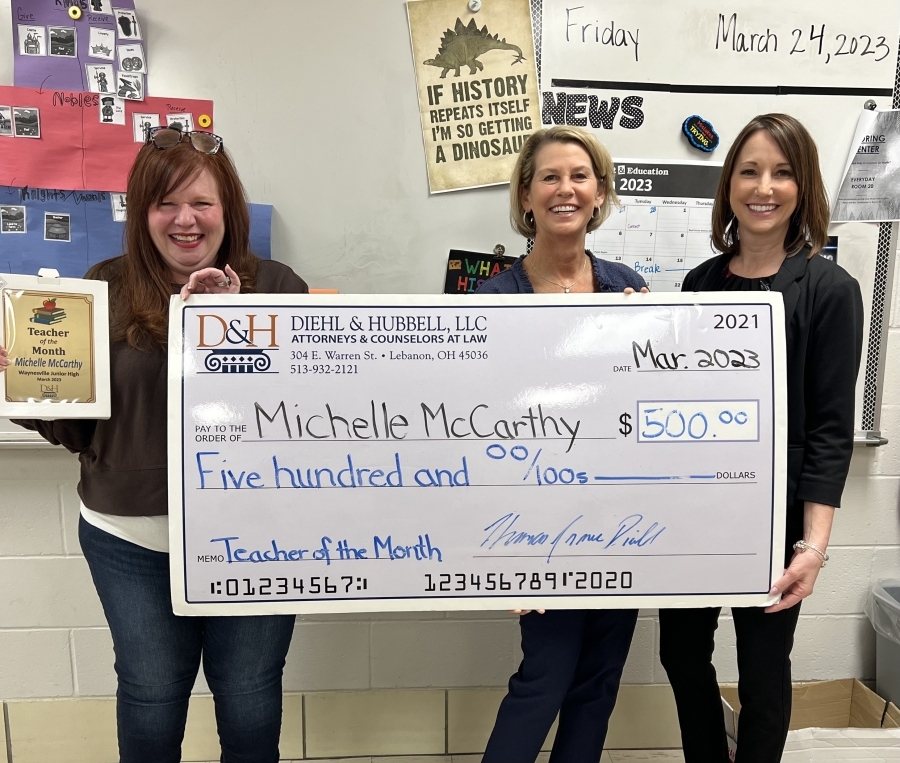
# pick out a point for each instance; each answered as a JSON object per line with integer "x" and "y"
{"x": 168, "y": 137}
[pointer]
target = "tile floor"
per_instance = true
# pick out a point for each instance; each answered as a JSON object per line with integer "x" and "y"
{"x": 610, "y": 756}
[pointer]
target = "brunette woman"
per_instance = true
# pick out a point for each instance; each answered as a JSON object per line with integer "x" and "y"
{"x": 770, "y": 221}
{"x": 187, "y": 231}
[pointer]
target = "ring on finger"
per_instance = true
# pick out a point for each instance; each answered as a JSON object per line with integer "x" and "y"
{"x": 225, "y": 283}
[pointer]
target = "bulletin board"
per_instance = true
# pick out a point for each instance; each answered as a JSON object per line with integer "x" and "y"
{"x": 317, "y": 104}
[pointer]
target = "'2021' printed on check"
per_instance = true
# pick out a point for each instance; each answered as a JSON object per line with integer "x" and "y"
{"x": 338, "y": 453}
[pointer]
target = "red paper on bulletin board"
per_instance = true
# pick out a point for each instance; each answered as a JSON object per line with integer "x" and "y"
{"x": 75, "y": 150}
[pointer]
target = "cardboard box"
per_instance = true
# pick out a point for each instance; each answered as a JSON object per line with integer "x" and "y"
{"x": 830, "y": 720}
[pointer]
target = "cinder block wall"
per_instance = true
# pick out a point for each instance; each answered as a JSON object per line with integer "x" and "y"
{"x": 54, "y": 643}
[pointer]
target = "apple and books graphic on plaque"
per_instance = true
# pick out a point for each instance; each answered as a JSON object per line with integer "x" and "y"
{"x": 48, "y": 313}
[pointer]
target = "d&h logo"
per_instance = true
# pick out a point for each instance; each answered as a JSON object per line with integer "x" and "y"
{"x": 234, "y": 345}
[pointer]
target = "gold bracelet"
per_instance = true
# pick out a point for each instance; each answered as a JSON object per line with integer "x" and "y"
{"x": 804, "y": 545}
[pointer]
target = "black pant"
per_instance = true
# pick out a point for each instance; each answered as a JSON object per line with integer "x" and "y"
{"x": 572, "y": 665}
{"x": 764, "y": 644}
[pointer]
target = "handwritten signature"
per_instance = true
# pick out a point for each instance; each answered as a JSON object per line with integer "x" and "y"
{"x": 634, "y": 531}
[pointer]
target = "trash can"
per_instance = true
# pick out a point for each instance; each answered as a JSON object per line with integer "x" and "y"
{"x": 883, "y": 610}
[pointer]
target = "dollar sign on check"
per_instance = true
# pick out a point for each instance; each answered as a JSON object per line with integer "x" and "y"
{"x": 626, "y": 427}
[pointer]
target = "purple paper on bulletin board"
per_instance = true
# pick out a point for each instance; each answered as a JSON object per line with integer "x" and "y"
{"x": 72, "y": 230}
{"x": 51, "y": 49}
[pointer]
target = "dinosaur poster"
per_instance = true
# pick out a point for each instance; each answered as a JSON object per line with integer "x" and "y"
{"x": 478, "y": 91}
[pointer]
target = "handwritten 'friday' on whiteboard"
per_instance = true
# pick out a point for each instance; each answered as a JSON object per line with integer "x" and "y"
{"x": 333, "y": 454}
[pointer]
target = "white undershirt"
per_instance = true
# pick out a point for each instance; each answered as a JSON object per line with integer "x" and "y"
{"x": 146, "y": 532}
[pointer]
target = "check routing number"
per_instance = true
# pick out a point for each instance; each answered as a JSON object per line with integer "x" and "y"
{"x": 360, "y": 453}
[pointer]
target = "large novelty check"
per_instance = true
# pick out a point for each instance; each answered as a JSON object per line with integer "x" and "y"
{"x": 360, "y": 453}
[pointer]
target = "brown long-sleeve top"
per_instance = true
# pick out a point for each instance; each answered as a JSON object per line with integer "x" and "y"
{"x": 123, "y": 458}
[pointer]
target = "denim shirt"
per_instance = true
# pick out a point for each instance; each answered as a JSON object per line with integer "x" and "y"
{"x": 608, "y": 277}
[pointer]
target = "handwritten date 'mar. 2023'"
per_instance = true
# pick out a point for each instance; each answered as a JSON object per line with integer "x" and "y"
{"x": 344, "y": 453}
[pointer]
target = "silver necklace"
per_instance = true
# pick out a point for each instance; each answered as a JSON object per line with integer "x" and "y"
{"x": 562, "y": 286}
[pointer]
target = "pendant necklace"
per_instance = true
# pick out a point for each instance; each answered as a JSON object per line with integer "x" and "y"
{"x": 565, "y": 288}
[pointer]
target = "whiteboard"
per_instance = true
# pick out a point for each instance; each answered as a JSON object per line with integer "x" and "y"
{"x": 726, "y": 62}
{"x": 331, "y": 454}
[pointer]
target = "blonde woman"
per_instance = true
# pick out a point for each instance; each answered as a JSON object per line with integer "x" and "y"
{"x": 561, "y": 188}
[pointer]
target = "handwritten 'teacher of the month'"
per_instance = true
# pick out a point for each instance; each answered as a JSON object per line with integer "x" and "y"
{"x": 230, "y": 551}
{"x": 634, "y": 532}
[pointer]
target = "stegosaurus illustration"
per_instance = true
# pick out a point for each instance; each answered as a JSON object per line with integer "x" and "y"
{"x": 462, "y": 45}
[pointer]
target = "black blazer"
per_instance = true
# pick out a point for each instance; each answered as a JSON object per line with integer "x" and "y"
{"x": 823, "y": 315}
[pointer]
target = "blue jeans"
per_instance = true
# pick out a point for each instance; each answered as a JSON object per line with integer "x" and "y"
{"x": 572, "y": 664}
{"x": 158, "y": 656}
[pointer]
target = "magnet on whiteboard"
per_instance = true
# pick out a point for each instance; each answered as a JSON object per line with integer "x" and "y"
{"x": 499, "y": 250}
{"x": 700, "y": 133}
{"x": 870, "y": 105}
{"x": 204, "y": 120}
{"x": 74, "y": 12}
{"x": 474, "y": 5}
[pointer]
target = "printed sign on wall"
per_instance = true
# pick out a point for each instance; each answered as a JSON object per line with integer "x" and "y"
{"x": 477, "y": 87}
